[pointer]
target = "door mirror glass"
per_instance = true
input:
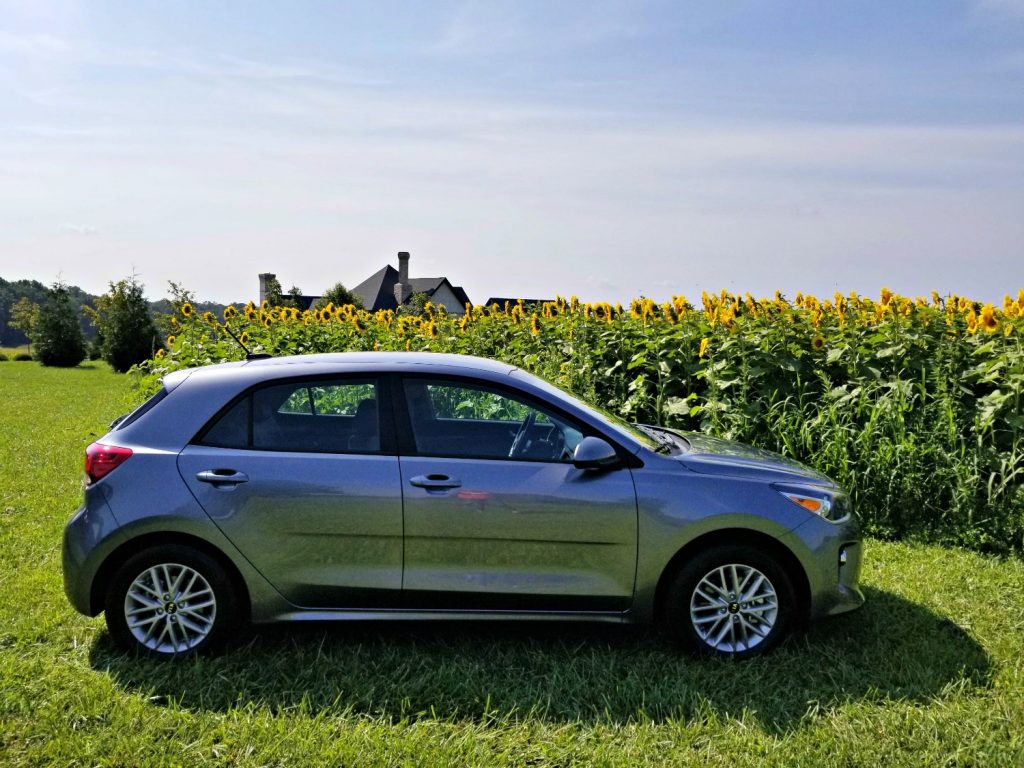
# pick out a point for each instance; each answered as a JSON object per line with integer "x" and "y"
{"x": 594, "y": 453}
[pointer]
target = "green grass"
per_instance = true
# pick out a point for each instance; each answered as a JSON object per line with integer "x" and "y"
{"x": 929, "y": 672}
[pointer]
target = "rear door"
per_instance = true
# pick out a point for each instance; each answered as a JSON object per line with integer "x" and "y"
{"x": 303, "y": 478}
{"x": 496, "y": 515}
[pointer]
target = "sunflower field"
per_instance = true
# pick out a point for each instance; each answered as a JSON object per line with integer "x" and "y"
{"x": 913, "y": 404}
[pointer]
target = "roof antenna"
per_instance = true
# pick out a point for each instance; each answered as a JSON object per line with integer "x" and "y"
{"x": 248, "y": 355}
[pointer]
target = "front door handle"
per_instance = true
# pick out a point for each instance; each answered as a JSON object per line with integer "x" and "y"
{"x": 435, "y": 482}
{"x": 222, "y": 477}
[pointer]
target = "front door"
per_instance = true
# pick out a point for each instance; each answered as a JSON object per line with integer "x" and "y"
{"x": 496, "y": 515}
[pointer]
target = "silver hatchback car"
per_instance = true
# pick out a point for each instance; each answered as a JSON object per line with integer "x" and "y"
{"x": 429, "y": 486}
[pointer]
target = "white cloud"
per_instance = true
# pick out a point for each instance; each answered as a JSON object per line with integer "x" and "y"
{"x": 81, "y": 230}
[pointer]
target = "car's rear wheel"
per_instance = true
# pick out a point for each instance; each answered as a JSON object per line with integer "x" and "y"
{"x": 170, "y": 601}
{"x": 730, "y": 601}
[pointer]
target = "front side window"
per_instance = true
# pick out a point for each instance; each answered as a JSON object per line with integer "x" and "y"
{"x": 466, "y": 420}
{"x": 313, "y": 417}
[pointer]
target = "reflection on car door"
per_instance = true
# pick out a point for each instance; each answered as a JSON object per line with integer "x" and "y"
{"x": 486, "y": 531}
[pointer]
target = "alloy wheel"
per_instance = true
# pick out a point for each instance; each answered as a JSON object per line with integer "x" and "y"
{"x": 734, "y": 608}
{"x": 170, "y": 608}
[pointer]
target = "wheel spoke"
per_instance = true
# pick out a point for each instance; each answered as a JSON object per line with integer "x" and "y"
{"x": 708, "y": 619}
{"x": 173, "y": 589}
{"x": 187, "y": 592}
{"x": 716, "y": 601}
{"x": 145, "y": 604}
{"x": 192, "y": 627}
{"x": 756, "y": 630}
{"x": 718, "y": 606}
{"x": 145, "y": 622}
{"x": 757, "y": 610}
{"x": 141, "y": 585}
{"x": 753, "y": 590}
{"x": 744, "y": 637}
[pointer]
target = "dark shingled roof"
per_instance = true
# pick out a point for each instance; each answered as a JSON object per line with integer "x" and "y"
{"x": 378, "y": 290}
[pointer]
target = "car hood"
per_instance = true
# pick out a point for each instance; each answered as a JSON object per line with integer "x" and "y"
{"x": 715, "y": 456}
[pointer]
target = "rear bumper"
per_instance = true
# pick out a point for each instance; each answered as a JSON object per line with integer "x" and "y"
{"x": 90, "y": 533}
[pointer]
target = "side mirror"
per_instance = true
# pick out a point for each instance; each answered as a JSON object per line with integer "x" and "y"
{"x": 594, "y": 453}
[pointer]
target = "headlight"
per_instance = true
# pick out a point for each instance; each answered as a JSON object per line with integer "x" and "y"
{"x": 834, "y": 506}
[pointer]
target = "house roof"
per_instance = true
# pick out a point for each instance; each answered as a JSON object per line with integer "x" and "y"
{"x": 378, "y": 290}
{"x": 500, "y": 301}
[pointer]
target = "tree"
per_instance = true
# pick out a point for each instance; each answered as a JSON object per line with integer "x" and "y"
{"x": 25, "y": 318}
{"x": 274, "y": 295}
{"x": 294, "y": 298}
{"x": 57, "y": 335}
{"x": 123, "y": 321}
{"x": 414, "y": 305}
{"x": 339, "y": 295}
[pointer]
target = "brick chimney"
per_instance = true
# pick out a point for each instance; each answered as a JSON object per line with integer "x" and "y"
{"x": 265, "y": 279}
{"x": 402, "y": 288}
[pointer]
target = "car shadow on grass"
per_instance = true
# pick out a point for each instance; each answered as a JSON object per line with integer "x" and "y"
{"x": 891, "y": 649}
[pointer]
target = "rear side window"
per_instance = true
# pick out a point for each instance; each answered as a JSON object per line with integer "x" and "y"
{"x": 310, "y": 416}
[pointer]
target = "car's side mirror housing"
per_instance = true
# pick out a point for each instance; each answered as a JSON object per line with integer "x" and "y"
{"x": 594, "y": 453}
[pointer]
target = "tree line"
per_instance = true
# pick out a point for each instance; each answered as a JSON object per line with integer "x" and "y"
{"x": 64, "y": 325}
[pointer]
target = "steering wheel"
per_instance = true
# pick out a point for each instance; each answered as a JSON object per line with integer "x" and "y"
{"x": 517, "y": 441}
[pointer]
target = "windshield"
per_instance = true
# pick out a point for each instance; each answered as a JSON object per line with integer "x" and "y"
{"x": 616, "y": 422}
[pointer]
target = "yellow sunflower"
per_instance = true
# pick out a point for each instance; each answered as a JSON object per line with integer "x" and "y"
{"x": 186, "y": 310}
{"x": 703, "y": 346}
{"x": 988, "y": 319}
{"x": 818, "y": 343}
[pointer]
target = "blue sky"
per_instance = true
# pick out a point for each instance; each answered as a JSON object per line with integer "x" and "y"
{"x": 603, "y": 149}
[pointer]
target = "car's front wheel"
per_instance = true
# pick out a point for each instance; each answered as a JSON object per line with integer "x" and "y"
{"x": 730, "y": 601}
{"x": 170, "y": 601}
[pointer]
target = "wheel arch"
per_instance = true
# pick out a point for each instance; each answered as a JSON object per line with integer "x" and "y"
{"x": 738, "y": 537}
{"x": 113, "y": 561}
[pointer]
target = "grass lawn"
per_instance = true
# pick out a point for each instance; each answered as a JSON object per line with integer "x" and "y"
{"x": 929, "y": 672}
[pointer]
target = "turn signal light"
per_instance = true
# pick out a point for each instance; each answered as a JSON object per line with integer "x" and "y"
{"x": 808, "y": 503}
{"x": 101, "y": 460}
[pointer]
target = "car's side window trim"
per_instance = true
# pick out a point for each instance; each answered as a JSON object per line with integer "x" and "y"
{"x": 404, "y": 428}
{"x": 385, "y": 412}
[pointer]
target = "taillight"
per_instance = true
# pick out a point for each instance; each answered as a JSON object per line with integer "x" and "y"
{"x": 101, "y": 460}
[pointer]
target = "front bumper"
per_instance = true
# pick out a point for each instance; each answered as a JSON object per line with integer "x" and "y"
{"x": 832, "y": 554}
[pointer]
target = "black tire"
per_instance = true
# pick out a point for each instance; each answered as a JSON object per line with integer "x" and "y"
{"x": 680, "y": 601}
{"x": 215, "y": 624}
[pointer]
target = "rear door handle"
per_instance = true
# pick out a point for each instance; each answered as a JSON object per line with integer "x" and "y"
{"x": 434, "y": 482}
{"x": 222, "y": 477}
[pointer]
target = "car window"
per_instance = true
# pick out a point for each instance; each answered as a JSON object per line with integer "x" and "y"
{"x": 231, "y": 430}
{"x": 312, "y": 417}
{"x": 466, "y": 420}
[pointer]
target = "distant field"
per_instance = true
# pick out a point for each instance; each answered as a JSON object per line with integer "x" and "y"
{"x": 929, "y": 672}
{"x": 11, "y": 351}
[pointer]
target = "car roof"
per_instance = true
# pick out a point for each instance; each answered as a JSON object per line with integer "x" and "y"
{"x": 334, "y": 361}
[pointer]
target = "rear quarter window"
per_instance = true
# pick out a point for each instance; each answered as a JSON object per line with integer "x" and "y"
{"x": 141, "y": 411}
